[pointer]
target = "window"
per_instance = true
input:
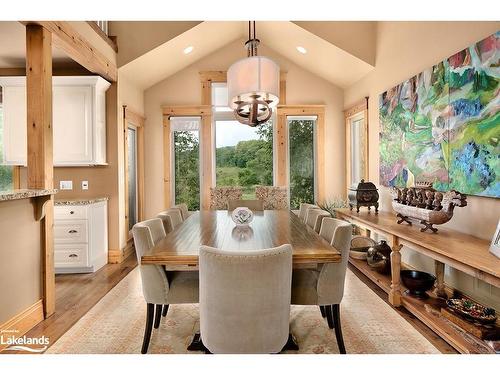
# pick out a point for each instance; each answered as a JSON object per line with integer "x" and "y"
{"x": 243, "y": 155}
{"x": 132, "y": 176}
{"x": 186, "y": 160}
{"x": 301, "y": 151}
{"x": 6, "y": 181}
{"x": 356, "y": 122}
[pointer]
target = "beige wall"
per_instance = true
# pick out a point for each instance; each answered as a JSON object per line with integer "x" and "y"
{"x": 184, "y": 88}
{"x": 404, "y": 49}
{"x": 20, "y": 252}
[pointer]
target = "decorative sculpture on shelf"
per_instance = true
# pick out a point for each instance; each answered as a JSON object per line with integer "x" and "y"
{"x": 425, "y": 204}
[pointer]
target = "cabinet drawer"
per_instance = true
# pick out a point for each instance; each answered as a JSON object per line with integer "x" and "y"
{"x": 70, "y": 212}
{"x": 70, "y": 255}
{"x": 70, "y": 231}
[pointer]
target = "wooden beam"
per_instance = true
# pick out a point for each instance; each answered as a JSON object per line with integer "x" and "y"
{"x": 102, "y": 34}
{"x": 187, "y": 110}
{"x": 213, "y": 76}
{"x": 39, "y": 131}
{"x": 66, "y": 38}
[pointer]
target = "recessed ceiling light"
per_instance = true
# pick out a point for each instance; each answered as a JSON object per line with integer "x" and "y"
{"x": 301, "y": 49}
{"x": 188, "y": 50}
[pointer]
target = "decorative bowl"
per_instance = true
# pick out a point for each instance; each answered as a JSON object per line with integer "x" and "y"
{"x": 417, "y": 282}
{"x": 379, "y": 257}
{"x": 360, "y": 246}
{"x": 242, "y": 216}
{"x": 472, "y": 310}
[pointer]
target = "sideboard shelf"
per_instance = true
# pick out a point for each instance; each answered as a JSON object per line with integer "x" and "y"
{"x": 446, "y": 247}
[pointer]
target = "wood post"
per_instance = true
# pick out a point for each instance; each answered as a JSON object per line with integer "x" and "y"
{"x": 440, "y": 289}
{"x": 395, "y": 292}
{"x": 40, "y": 155}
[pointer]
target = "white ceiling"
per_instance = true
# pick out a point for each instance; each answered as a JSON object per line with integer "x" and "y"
{"x": 322, "y": 58}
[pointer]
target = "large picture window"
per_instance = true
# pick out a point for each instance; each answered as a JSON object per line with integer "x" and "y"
{"x": 243, "y": 155}
{"x": 186, "y": 160}
{"x": 301, "y": 150}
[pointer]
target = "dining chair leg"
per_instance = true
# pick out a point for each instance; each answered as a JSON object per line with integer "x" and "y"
{"x": 338, "y": 328}
{"x": 323, "y": 311}
{"x": 165, "y": 310}
{"x": 329, "y": 319}
{"x": 158, "y": 315}
{"x": 149, "y": 327}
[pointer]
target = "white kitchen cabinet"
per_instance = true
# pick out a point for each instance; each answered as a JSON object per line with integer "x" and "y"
{"x": 80, "y": 236}
{"x": 79, "y": 120}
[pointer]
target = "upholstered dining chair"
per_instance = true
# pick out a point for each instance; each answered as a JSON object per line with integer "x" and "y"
{"x": 303, "y": 210}
{"x": 252, "y": 204}
{"x": 184, "y": 210}
{"x": 171, "y": 218}
{"x": 315, "y": 217}
{"x": 274, "y": 197}
{"x": 159, "y": 287}
{"x": 221, "y": 195}
{"x": 325, "y": 286}
{"x": 245, "y": 299}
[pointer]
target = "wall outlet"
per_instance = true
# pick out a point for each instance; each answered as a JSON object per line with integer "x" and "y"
{"x": 66, "y": 185}
{"x": 85, "y": 185}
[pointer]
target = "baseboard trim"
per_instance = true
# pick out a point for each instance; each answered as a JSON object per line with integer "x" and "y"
{"x": 22, "y": 322}
{"x": 118, "y": 256}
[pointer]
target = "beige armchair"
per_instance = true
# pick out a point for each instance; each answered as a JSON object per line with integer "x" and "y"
{"x": 315, "y": 217}
{"x": 325, "y": 286}
{"x": 303, "y": 210}
{"x": 221, "y": 195}
{"x": 171, "y": 218}
{"x": 274, "y": 197}
{"x": 159, "y": 287}
{"x": 245, "y": 299}
{"x": 185, "y": 213}
{"x": 252, "y": 204}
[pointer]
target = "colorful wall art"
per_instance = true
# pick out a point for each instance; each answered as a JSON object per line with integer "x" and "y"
{"x": 443, "y": 125}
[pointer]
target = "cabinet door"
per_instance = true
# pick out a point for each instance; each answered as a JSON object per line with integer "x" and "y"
{"x": 15, "y": 133}
{"x": 72, "y": 117}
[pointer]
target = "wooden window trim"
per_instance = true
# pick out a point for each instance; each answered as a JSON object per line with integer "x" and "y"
{"x": 282, "y": 144}
{"x": 355, "y": 110}
{"x": 205, "y": 112}
{"x": 137, "y": 121}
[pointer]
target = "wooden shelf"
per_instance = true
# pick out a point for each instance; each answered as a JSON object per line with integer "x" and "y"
{"x": 428, "y": 311}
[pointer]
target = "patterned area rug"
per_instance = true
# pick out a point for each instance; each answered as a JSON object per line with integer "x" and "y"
{"x": 116, "y": 325}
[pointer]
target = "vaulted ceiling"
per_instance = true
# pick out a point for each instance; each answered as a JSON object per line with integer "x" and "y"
{"x": 339, "y": 52}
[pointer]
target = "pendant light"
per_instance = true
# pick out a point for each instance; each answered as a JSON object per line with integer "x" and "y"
{"x": 253, "y": 84}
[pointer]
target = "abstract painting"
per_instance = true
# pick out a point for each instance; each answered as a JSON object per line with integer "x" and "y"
{"x": 442, "y": 126}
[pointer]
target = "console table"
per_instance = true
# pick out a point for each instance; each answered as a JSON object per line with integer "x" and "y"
{"x": 463, "y": 252}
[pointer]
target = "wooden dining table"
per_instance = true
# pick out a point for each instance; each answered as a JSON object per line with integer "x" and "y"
{"x": 179, "y": 250}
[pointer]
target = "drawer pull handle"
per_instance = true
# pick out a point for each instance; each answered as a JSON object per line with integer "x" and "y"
{"x": 73, "y": 231}
{"x": 71, "y": 212}
{"x": 73, "y": 256}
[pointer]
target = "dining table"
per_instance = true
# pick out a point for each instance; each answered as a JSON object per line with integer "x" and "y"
{"x": 179, "y": 250}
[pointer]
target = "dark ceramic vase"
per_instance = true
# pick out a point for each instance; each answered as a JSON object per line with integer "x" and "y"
{"x": 379, "y": 257}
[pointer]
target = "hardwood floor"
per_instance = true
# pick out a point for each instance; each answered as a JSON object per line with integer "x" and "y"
{"x": 425, "y": 331}
{"x": 76, "y": 294}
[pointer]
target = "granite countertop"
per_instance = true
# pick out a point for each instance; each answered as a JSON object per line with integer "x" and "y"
{"x": 79, "y": 202}
{"x": 11, "y": 195}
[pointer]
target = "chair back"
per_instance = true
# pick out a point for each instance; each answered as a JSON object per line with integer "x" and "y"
{"x": 252, "y": 204}
{"x": 184, "y": 210}
{"x": 332, "y": 275}
{"x": 154, "y": 280}
{"x": 303, "y": 210}
{"x": 314, "y": 218}
{"x": 171, "y": 219}
{"x": 245, "y": 299}
{"x": 274, "y": 197}
{"x": 221, "y": 195}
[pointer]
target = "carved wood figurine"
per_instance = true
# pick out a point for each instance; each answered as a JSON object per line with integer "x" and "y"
{"x": 428, "y": 206}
